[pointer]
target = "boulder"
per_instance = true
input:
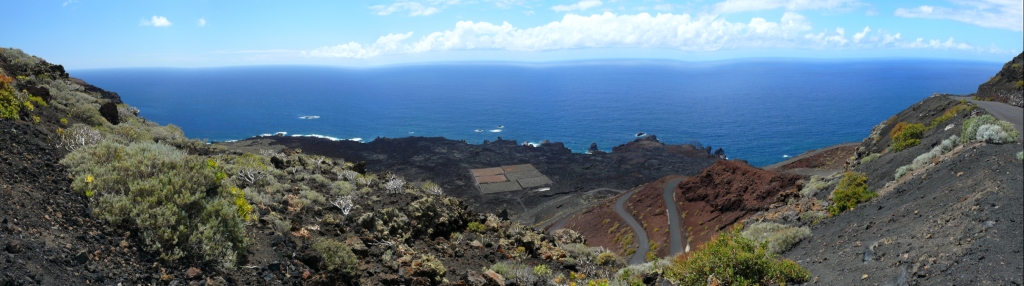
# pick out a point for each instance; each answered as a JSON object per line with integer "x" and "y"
{"x": 109, "y": 111}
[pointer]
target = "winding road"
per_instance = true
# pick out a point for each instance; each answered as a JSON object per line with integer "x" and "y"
{"x": 641, "y": 235}
{"x": 674, "y": 225}
{"x": 1001, "y": 111}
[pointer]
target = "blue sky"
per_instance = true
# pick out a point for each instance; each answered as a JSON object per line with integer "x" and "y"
{"x": 82, "y": 34}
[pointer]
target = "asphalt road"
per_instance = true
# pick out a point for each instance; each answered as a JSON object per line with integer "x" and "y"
{"x": 674, "y": 225}
{"x": 1001, "y": 111}
{"x": 641, "y": 235}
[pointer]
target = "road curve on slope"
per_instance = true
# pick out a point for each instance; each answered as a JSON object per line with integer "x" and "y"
{"x": 674, "y": 225}
{"x": 1001, "y": 111}
{"x": 641, "y": 235}
{"x": 561, "y": 222}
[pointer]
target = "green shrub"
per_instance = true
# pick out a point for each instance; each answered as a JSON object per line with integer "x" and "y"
{"x": 313, "y": 196}
{"x": 869, "y": 158}
{"x": 949, "y": 114}
{"x": 503, "y": 268}
{"x": 430, "y": 267}
{"x": 812, "y": 216}
{"x": 606, "y": 258}
{"x": 37, "y": 100}
{"x": 735, "y": 260}
{"x": 476, "y": 227}
{"x": 342, "y": 188}
{"x": 9, "y": 105}
{"x": 335, "y": 256}
{"x": 178, "y": 203}
{"x": 778, "y": 237}
{"x": 815, "y": 185}
{"x": 852, "y": 190}
{"x": 906, "y": 135}
{"x": 542, "y": 270}
{"x": 1020, "y": 155}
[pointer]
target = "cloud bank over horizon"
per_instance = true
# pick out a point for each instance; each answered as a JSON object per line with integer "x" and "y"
{"x": 673, "y": 31}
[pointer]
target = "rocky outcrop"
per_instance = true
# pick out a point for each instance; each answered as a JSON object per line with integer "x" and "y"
{"x": 104, "y": 94}
{"x": 728, "y": 191}
{"x": 1007, "y": 85}
{"x": 593, "y": 149}
{"x": 17, "y": 63}
{"x": 109, "y": 112}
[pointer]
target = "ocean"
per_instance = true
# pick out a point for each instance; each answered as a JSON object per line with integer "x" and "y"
{"x": 759, "y": 110}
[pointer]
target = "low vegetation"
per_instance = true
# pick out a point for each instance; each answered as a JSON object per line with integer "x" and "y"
{"x": 179, "y": 204}
{"x": 778, "y": 237}
{"x": 930, "y": 157}
{"x": 9, "y": 105}
{"x": 905, "y": 135}
{"x": 950, "y": 113}
{"x": 987, "y": 128}
{"x": 851, "y": 191}
{"x": 735, "y": 260}
{"x": 335, "y": 256}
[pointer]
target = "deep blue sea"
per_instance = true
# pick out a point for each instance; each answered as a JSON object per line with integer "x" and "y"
{"x": 757, "y": 110}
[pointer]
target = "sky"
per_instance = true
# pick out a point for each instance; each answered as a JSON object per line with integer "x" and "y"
{"x": 84, "y": 34}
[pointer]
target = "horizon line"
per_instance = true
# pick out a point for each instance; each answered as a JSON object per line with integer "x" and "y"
{"x": 569, "y": 62}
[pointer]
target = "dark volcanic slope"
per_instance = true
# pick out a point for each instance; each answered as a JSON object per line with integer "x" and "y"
{"x": 959, "y": 223}
{"x": 1007, "y": 85}
{"x": 447, "y": 162}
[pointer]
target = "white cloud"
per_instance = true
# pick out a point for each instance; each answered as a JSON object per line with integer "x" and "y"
{"x": 156, "y": 21}
{"x": 202, "y": 22}
{"x": 414, "y": 8}
{"x": 664, "y": 7}
{"x": 733, "y": 6}
{"x": 505, "y": 4}
{"x": 860, "y": 36}
{"x": 998, "y": 14}
{"x": 582, "y": 5}
{"x": 69, "y": 2}
{"x": 936, "y": 44}
{"x": 825, "y": 38}
{"x": 608, "y": 30}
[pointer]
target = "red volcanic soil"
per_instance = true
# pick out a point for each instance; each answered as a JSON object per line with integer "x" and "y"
{"x": 830, "y": 159}
{"x": 597, "y": 223}
{"x": 725, "y": 193}
{"x": 649, "y": 204}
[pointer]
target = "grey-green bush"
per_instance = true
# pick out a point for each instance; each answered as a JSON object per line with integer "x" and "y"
{"x": 335, "y": 256}
{"x": 815, "y": 185}
{"x": 924, "y": 159}
{"x": 178, "y": 203}
{"x": 971, "y": 128}
{"x": 869, "y": 158}
{"x": 778, "y": 237}
{"x": 993, "y": 133}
